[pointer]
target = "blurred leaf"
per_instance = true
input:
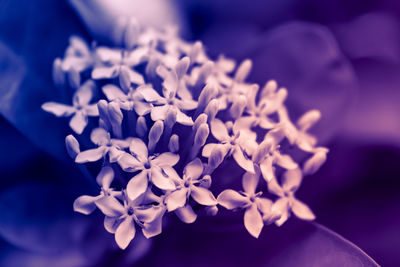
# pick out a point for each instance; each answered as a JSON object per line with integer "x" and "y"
{"x": 294, "y": 244}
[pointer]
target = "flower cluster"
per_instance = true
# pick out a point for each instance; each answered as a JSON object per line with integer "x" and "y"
{"x": 167, "y": 117}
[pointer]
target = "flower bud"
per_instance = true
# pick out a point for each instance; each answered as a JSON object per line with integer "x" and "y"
{"x": 243, "y": 70}
{"x": 194, "y": 53}
{"x": 182, "y": 67}
{"x": 124, "y": 79}
{"x": 216, "y": 157}
{"x": 209, "y": 92}
{"x": 201, "y": 135}
{"x": 269, "y": 88}
{"x": 206, "y": 181}
{"x": 173, "y": 144}
{"x": 212, "y": 109}
{"x": 116, "y": 117}
{"x": 102, "y": 106}
{"x": 313, "y": 164}
{"x": 308, "y": 119}
{"x": 141, "y": 126}
{"x": 72, "y": 146}
{"x": 155, "y": 133}
{"x": 202, "y": 118}
{"x": 171, "y": 118}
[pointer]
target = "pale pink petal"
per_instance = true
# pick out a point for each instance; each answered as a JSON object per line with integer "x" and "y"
{"x": 159, "y": 112}
{"x": 231, "y": 199}
{"x": 78, "y": 122}
{"x": 110, "y": 206}
{"x": 60, "y": 110}
{"x": 203, "y": 196}
{"x": 219, "y": 131}
{"x": 250, "y": 182}
{"x": 193, "y": 169}
{"x": 105, "y": 177}
{"x": 183, "y": 119}
{"x": 207, "y": 149}
{"x": 267, "y": 170}
{"x": 138, "y": 148}
{"x": 242, "y": 161}
{"x": 166, "y": 159}
{"x": 137, "y": 185}
{"x": 161, "y": 181}
{"x": 291, "y": 180}
{"x": 85, "y": 204}
{"x": 301, "y": 210}
{"x": 113, "y": 92}
{"x": 253, "y": 220}
{"x": 99, "y": 136}
{"x": 186, "y": 214}
{"x": 105, "y": 72}
{"x": 176, "y": 199}
{"x": 111, "y": 224}
{"x": 91, "y": 155}
{"x": 125, "y": 232}
{"x": 281, "y": 206}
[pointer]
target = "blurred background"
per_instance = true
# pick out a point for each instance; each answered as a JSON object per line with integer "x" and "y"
{"x": 342, "y": 57}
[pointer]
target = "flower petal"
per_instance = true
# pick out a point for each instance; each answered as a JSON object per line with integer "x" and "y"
{"x": 176, "y": 199}
{"x": 161, "y": 181}
{"x": 105, "y": 72}
{"x": 110, "y": 206}
{"x": 218, "y": 130}
{"x": 250, "y": 181}
{"x": 166, "y": 159}
{"x": 285, "y": 161}
{"x": 85, "y": 93}
{"x": 100, "y": 137}
{"x": 129, "y": 163}
{"x": 193, "y": 169}
{"x": 135, "y": 77}
{"x": 313, "y": 164}
{"x": 268, "y": 172}
{"x": 91, "y": 155}
{"x": 111, "y": 224}
{"x": 159, "y": 112}
{"x": 281, "y": 206}
{"x": 291, "y": 180}
{"x": 85, "y": 204}
{"x": 78, "y": 122}
{"x": 60, "y": 110}
{"x": 242, "y": 161}
{"x": 253, "y": 220}
{"x": 301, "y": 210}
{"x": 105, "y": 177}
{"x": 155, "y": 227}
{"x": 207, "y": 149}
{"x": 186, "y": 214}
{"x": 203, "y": 196}
{"x": 137, "y": 185}
{"x": 231, "y": 199}
{"x": 149, "y": 94}
{"x": 183, "y": 119}
{"x": 139, "y": 149}
{"x": 125, "y": 232}
{"x": 113, "y": 92}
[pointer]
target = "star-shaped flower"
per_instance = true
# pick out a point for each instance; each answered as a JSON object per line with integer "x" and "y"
{"x": 106, "y": 145}
{"x": 150, "y": 167}
{"x": 121, "y": 217}
{"x": 113, "y": 60}
{"x": 287, "y": 202}
{"x": 267, "y": 155}
{"x": 239, "y": 143}
{"x": 86, "y": 204}
{"x": 256, "y": 208}
{"x": 78, "y": 55}
{"x": 80, "y": 108}
{"x": 188, "y": 186}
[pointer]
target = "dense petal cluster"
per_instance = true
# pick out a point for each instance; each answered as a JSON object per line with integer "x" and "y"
{"x": 167, "y": 116}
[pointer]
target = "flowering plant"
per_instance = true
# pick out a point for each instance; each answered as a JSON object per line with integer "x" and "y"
{"x": 168, "y": 118}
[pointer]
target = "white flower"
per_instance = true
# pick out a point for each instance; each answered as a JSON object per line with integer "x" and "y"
{"x": 114, "y": 60}
{"x": 106, "y": 145}
{"x": 287, "y": 202}
{"x": 150, "y": 167}
{"x": 86, "y": 204}
{"x": 121, "y": 217}
{"x": 80, "y": 108}
{"x": 188, "y": 186}
{"x": 131, "y": 100}
{"x": 238, "y": 143}
{"x": 78, "y": 55}
{"x": 267, "y": 155}
{"x": 256, "y": 207}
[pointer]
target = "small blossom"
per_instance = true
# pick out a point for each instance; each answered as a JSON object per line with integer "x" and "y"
{"x": 86, "y": 204}
{"x": 237, "y": 142}
{"x": 151, "y": 168}
{"x": 254, "y": 205}
{"x": 106, "y": 145}
{"x": 78, "y": 55}
{"x": 80, "y": 109}
{"x": 287, "y": 202}
{"x": 188, "y": 186}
